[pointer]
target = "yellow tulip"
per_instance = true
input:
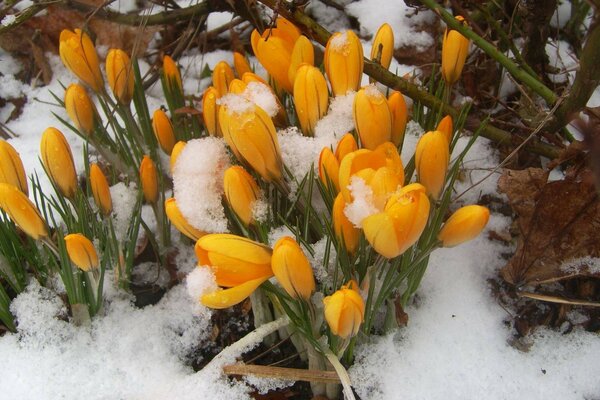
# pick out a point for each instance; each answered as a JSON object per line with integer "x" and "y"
{"x": 221, "y": 78}
{"x": 446, "y": 126}
{"x": 455, "y": 48}
{"x": 399, "y": 114}
{"x": 171, "y": 74}
{"x": 372, "y": 117}
{"x": 225, "y": 298}
{"x": 149, "y": 180}
{"x": 78, "y": 54}
{"x": 383, "y": 45}
{"x": 302, "y": 53}
{"x": 345, "y": 231}
{"x": 241, "y": 192}
{"x": 251, "y": 136}
{"x": 178, "y": 220}
{"x": 11, "y": 167}
{"x": 81, "y": 251}
{"x": 344, "y": 312}
{"x": 344, "y": 62}
{"x": 210, "y": 111}
{"x": 80, "y": 108}
{"x": 175, "y": 154}
{"x": 22, "y": 211}
{"x": 119, "y": 74}
{"x": 163, "y": 130}
{"x": 234, "y": 259}
{"x": 310, "y": 97}
{"x": 237, "y": 86}
{"x": 100, "y": 189}
{"x": 400, "y": 225}
{"x": 292, "y": 269}
{"x": 58, "y": 161}
{"x": 346, "y": 145}
{"x": 431, "y": 162}
{"x": 329, "y": 169}
{"x": 465, "y": 224}
{"x": 240, "y": 63}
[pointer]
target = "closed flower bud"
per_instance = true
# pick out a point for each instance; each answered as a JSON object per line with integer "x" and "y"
{"x": 225, "y": 298}
{"x": 372, "y": 117}
{"x": 120, "y": 75}
{"x": 11, "y": 167}
{"x": 344, "y": 312}
{"x": 455, "y": 48}
{"x": 149, "y": 180}
{"x": 346, "y": 145}
{"x": 310, "y": 97}
{"x": 58, "y": 161}
{"x": 251, "y": 136}
{"x": 80, "y": 108}
{"x": 399, "y": 114}
{"x": 171, "y": 74}
{"x": 292, "y": 269}
{"x": 240, "y": 63}
{"x": 446, "y": 127}
{"x": 210, "y": 112}
{"x": 221, "y": 78}
{"x": 175, "y": 154}
{"x": 22, "y": 211}
{"x": 344, "y": 62}
{"x": 241, "y": 192}
{"x": 81, "y": 251}
{"x": 345, "y": 231}
{"x": 179, "y": 222}
{"x": 302, "y": 53}
{"x": 100, "y": 189}
{"x": 400, "y": 225}
{"x": 383, "y": 46}
{"x": 237, "y": 86}
{"x": 465, "y": 224}
{"x": 234, "y": 259}
{"x": 163, "y": 130}
{"x": 329, "y": 169}
{"x": 431, "y": 162}
{"x": 78, "y": 54}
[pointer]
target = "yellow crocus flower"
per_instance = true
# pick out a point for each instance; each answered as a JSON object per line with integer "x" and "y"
{"x": 465, "y": 224}
{"x": 81, "y": 251}
{"x": 11, "y": 167}
{"x": 78, "y": 54}
{"x": 58, "y": 161}
{"x": 22, "y": 211}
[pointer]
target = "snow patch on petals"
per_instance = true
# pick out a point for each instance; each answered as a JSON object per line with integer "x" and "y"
{"x": 363, "y": 204}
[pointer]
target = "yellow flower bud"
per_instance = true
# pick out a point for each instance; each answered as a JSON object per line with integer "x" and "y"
{"x": 465, "y": 224}
{"x": 292, "y": 269}
{"x": 163, "y": 130}
{"x": 240, "y": 63}
{"x": 251, "y": 136}
{"x": 58, "y": 161}
{"x": 22, "y": 211}
{"x": 80, "y": 108}
{"x": 372, "y": 117}
{"x": 455, "y": 48}
{"x": 344, "y": 312}
{"x": 446, "y": 127}
{"x": 178, "y": 220}
{"x": 310, "y": 97}
{"x": 171, "y": 74}
{"x": 399, "y": 114}
{"x": 345, "y": 231}
{"x": 346, "y": 145}
{"x": 119, "y": 74}
{"x": 11, "y": 167}
{"x": 400, "y": 225}
{"x": 241, "y": 192}
{"x": 329, "y": 169}
{"x": 302, "y": 53}
{"x": 100, "y": 189}
{"x": 234, "y": 259}
{"x": 175, "y": 154}
{"x": 221, "y": 78}
{"x": 344, "y": 62}
{"x": 431, "y": 162}
{"x": 210, "y": 111}
{"x": 237, "y": 86}
{"x": 149, "y": 180}
{"x": 252, "y": 77}
{"x": 81, "y": 251}
{"x": 383, "y": 45}
{"x": 78, "y": 54}
{"x": 225, "y": 298}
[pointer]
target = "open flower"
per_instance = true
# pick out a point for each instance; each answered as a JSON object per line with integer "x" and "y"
{"x": 372, "y": 117}
{"x": 179, "y": 222}
{"x": 163, "y": 130}
{"x": 81, "y": 251}
{"x": 292, "y": 269}
{"x": 119, "y": 74}
{"x": 344, "y": 62}
{"x": 22, "y": 211}
{"x": 344, "y": 311}
{"x": 100, "y": 189}
{"x": 311, "y": 97}
{"x": 58, "y": 161}
{"x": 80, "y": 108}
{"x": 241, "y": 192}
{"x": 431, "y": 162}
{"x": 455, "y": 48}
{"x": 78, "y": 53}
{"x": 11, "y": 167}
{"x": 383, "y": 45}
{"x": 465, "y": 224}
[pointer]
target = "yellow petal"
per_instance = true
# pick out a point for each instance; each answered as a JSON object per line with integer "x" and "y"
{"x": 431, "y": 162}
{"x": 119, "y": 74}
{"x": 175, "y": 154}
{"x": 399, "y": 114}
{"x": 346, "y": 145}
{"x": 58, "y": 161}
{"x": 210, "y": 112}
{"x": 221, "y": 78}
{"x": 240, "y": 63}
{"x": 78, "y": 54}
{"x": 178, "y": 220}
{"x": 455, "y": 48}
{"x": 302, "y": 53}
{"x": 100, "y": 189}
{"x": 241, "y": 192}
{"x": 311, "y": 97}
{"x": 329, "y": 169}
{"x": 22, "y": 211}
{"x": 81, "y": 251}
{"x": 372, "y": 117}
{"x": 465, "y": 224}
{"x": 230, "y": 297}
{"x": 80, "y": 108}
{"x": 11, "y": 167}
{"x": 344, "y": 62}
{"x": 149, "y": 179}
{"x": 381, "y": 234}
{"x": 292, "y": 269}
{"x": 171, "y": 74}
{"x": 163, "y": 130}
{"x": 383, "y": 45}
{"x": 344, "y": 230}
{"x": 446, "y": 127}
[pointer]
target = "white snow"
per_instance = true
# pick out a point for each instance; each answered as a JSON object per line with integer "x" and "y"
{"x": 363, "y": 203}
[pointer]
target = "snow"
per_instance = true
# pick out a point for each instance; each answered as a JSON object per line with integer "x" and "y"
{"x": 363, "y": 204}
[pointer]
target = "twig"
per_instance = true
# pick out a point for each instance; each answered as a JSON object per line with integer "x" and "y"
{"x": 560, "y": 300}
{"x": 287, "y": 374}
{"x": 26, "y": 14}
